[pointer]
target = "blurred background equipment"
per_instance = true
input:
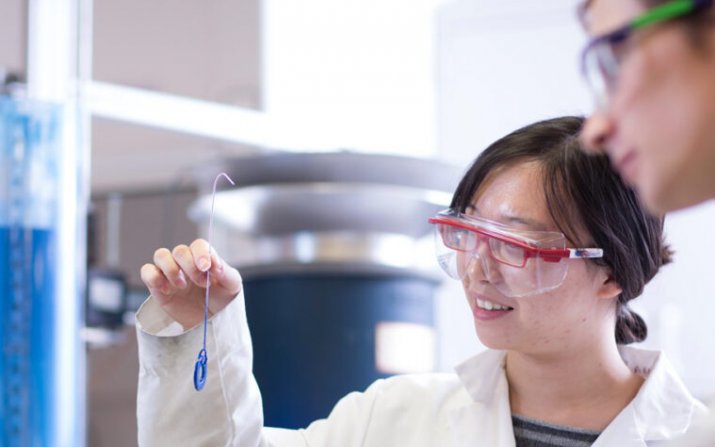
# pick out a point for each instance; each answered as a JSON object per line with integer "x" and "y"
{"x": 106, "y": 302}
{"x": 106, "y": 299}
{"x": 337, "y": 273}
{"x": 42, "y": 359}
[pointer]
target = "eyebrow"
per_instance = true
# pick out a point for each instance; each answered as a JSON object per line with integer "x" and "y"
{"x": 515, "y": 219}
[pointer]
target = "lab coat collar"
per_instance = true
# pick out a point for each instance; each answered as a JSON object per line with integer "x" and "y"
{"x": 662, "y": 409}
{"x": 487, "y": 420}
{"x": 481, "y": 374}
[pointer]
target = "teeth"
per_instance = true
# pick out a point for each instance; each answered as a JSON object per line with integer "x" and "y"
{"x": 488, "y": 305}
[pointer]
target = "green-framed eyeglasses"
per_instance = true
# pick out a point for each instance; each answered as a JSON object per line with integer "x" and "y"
{"x": 601, "y": 58}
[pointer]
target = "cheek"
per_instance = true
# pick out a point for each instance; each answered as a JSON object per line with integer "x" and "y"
{"x": 569, "y": 305}
{"x": 638, "y": 105}
{"x": 665, "y": 102}
{"x": 654, "y": 114}
{"x": 542, "y": 319}
{"x": 697, "y": 132}
{"x": 559, "y": 325}
{"x": 671, "y": 128}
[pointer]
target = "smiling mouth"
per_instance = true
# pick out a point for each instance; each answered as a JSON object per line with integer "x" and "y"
{"x": 489, "y": 305}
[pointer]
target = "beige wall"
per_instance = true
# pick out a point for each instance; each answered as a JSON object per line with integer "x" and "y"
{"x": 205, "y": 50}
{"x": 12, "y": 35}
{"x": 147, "y": 221}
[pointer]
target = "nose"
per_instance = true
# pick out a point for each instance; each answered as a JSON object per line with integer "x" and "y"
{"x": 596, "y": 133}
{"x": 480, "y": 267}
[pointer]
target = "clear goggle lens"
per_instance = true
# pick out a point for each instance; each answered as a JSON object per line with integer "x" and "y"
{"x": 517, "y": 263}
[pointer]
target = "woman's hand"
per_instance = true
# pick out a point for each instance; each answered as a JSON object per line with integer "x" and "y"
{"x": 177, "y": 280}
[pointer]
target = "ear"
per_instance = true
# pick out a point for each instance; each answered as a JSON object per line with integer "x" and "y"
{"x": 609, "y": 288}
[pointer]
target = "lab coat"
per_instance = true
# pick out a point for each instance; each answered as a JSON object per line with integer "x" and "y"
{"x": 469, "y": 408}
{"x": 702, "y": 434}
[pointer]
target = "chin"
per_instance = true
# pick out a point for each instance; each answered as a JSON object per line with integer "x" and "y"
{"x": 492, "y": 340}
{"x": 664, "y": 198}
{"x": 655, "y": 205}
{"x": 656, "y": 192}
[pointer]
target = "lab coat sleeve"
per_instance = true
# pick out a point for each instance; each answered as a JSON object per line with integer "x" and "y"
{"x": 228, "y": 411}
{"x": 170, "y": 412}
{"x": 349, "y": 422}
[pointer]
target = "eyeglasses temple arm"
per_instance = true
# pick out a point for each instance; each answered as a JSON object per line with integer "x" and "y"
{"x": 576, "y": 253}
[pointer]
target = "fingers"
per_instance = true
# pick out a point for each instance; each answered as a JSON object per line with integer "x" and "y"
{"x": 165, "y": 262}
{"x": 175, "y": 270}
{"x": 155, "y": 280}
{"x": 202, "y": 256}
{"x": 221, "y": 273}
{"x": 187, "y": 262}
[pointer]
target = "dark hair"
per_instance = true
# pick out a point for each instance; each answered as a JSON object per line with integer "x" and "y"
{"x": 583, "y": 192}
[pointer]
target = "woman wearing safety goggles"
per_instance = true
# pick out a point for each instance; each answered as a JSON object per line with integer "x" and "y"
{"x": 550, "y": 247}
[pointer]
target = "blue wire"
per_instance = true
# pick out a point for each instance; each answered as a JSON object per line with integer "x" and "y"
{"x": 200, "y": 368}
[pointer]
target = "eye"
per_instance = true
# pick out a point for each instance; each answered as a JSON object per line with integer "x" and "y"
{"x": 458, "y": 238}
{"x": 618, "y": 49}
{"x": 512, "y": 247}
{"x": 507, "y": 252}
{"x": 512, "y": 250}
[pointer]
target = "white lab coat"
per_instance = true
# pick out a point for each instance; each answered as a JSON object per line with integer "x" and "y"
{"x": 470, "y": 408}
{"x": 702, "y": 434}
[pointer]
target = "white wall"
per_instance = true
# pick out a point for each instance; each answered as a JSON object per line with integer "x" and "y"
{"x": 355, "y": 75}
{"x": 679, "y": 303}
{"x": 502, "y": 65}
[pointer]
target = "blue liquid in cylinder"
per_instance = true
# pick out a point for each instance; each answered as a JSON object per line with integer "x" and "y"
{"x": 30, "y": 351}
{"x": 27, "y": 336}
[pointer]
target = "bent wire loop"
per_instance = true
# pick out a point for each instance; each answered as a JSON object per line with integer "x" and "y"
{"x": 200, "y": 368}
